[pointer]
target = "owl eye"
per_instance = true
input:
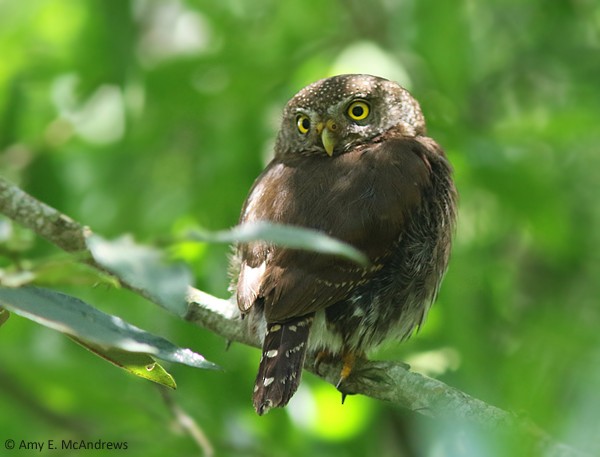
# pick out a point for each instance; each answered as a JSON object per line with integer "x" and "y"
{"x": 303, "y": 123}
{"x": 358, "y": 110}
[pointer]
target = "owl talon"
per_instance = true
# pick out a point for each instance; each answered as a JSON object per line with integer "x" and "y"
{"x": 349, "y": 360}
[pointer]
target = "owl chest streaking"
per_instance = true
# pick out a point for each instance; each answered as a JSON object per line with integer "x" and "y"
{"x": 351, "y": 160}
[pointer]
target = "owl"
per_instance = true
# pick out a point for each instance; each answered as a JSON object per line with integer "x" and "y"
{"x": 352, "y": 160}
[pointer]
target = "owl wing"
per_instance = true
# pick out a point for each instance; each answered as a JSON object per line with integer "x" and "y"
{"x": 365, "y": 197}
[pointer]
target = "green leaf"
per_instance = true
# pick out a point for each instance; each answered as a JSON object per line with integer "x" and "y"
{"x": 4, "y": 315}
{"x": 141, "y": 365}
{"x": 284, "y": 235}
{"x": 78, "y": 319}
{"x": 145, "y": 269}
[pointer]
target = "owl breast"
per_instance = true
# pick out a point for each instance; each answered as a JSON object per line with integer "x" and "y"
{"x": 385, "y": 200}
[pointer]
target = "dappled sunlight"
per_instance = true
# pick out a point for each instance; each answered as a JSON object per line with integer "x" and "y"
{"x": 100, "y": 119}
{"x": 368, "y": 57}
{"x": 318, "y": 409}
{"x": 172, "y": 30}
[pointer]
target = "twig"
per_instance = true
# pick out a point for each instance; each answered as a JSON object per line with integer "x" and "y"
{"x": 387, "y": 381}
{"x": 187, "y": 423}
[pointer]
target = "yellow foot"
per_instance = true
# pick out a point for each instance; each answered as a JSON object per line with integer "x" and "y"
{"x": 349, "y": 362}
{"x": 349, "y": 359}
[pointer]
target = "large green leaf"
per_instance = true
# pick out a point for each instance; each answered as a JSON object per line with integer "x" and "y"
{"x": 141, "y": 365}
{"x": 145, "y": 269}
{"x": 284, "y": 235}
{"x": 76, "y": 318}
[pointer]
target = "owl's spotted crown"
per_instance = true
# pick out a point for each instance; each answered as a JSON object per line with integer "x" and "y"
{"x": 321, "y": 94}
{"x": 337, "y": 88}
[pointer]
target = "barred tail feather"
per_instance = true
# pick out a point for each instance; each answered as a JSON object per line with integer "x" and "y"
{"x": 284, "y": 350}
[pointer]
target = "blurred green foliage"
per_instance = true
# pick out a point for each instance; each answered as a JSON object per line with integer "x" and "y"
{"x": 154, "y": 117}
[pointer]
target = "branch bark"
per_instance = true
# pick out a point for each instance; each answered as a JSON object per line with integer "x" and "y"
{"x": 387, "y": 381}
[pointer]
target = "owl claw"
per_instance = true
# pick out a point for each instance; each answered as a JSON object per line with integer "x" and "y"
{"x": 349, "y": 361}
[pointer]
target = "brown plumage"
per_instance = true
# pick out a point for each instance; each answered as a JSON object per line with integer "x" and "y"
{"x": 353, "y": 161}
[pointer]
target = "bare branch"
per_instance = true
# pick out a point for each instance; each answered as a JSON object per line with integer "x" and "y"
{"x": 187, "y": 423}
{"x": 388, "y": 381}
{"x": 41, "y": 218}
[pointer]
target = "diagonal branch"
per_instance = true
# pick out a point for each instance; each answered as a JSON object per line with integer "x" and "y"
{"x": 388, "y": 381}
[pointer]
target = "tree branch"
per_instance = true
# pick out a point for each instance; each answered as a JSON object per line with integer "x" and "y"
{"x": 41, "y": 218}
{"x": 388, "y": 381}
{"x": 187, "y": 423}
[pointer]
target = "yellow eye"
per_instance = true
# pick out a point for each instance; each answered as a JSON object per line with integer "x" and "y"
{"x": 358, "y": 110}
{"x": 303, "y": 123}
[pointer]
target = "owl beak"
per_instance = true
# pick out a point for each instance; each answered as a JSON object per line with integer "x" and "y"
{"x": 328, "y": 136}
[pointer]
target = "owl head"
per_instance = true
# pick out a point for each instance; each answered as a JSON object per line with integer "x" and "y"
{"x": 334, "y": 115}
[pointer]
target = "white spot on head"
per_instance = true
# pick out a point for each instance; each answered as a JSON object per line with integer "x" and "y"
{"x": 272, "y": 353}
{"x": 268, "y": 381}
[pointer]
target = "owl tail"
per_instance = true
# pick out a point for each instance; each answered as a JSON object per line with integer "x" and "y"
{"x": 280, "y": 369}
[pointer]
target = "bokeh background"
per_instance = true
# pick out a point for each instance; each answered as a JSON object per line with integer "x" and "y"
{"x": 153, "y": 117}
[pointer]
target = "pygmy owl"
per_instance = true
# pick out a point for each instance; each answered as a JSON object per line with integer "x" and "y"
{"x": 352, "y": 160}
